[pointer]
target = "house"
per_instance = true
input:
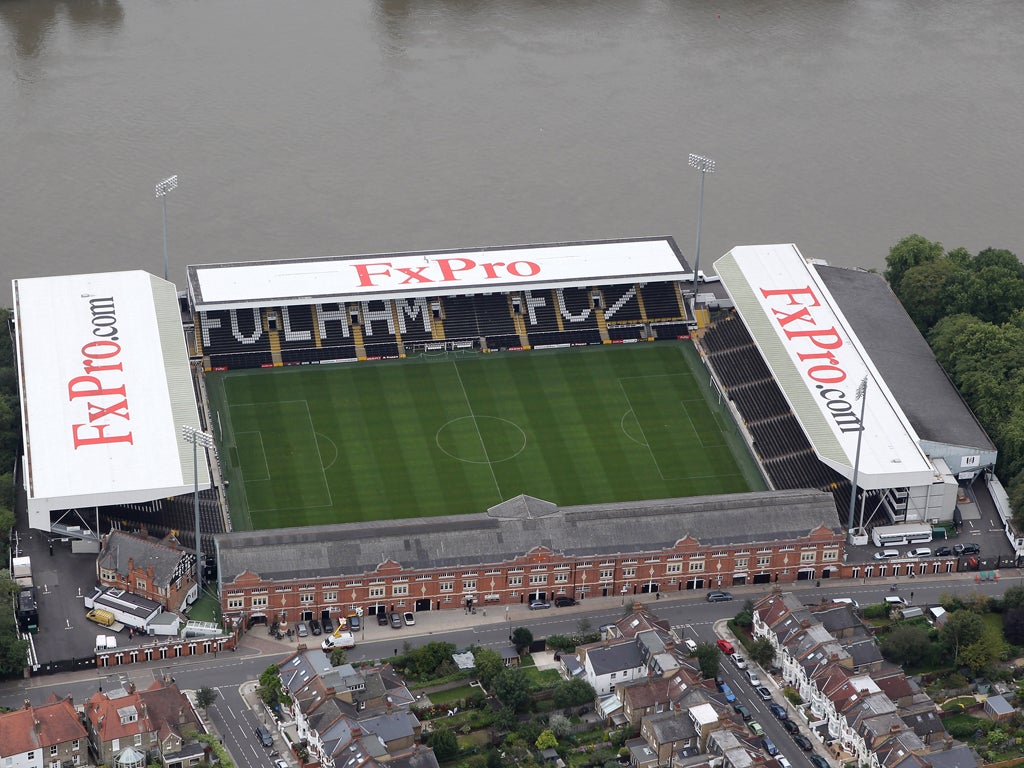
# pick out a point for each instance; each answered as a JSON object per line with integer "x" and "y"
{"x": 157, "y": 569}
{"x": 605, "y": 665}
{"x": 34, "y": 737}
{"x": 158, "y": 724}
{"x": 998, "y": 708}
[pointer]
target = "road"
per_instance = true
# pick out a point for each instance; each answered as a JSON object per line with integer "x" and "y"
{"x": 687, "y": 610}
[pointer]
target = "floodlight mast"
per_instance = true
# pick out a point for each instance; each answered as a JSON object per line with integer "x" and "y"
{"x": 197, "y": 437}
{"x": 162, "y": 188}
{"x": 862, "y": 389}
{"x": 705, "y": 165}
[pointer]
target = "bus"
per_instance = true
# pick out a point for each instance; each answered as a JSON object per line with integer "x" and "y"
{"x": 897, "y": 535}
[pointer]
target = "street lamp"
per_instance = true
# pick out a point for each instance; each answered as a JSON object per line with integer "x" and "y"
{"x": 197, "y": 438}
{"x": 862, "y": 389}
{"x": 705, "y": 165}
{"x": 162, "y": 188}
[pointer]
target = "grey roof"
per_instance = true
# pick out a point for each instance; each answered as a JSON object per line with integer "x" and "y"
{"x": 900, "y": 353}
{"x": 960, "y": 756}
{"x": 999, "y": 705}
{"x": 121, "y": 547}
{"x": 392, "y": 726}
{"x": 511, "y": 530}
{"x": 671, "y": 726}
{"x": 615, "y": 658}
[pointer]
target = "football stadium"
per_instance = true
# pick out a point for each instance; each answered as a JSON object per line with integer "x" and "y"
{"x": 346, "y": 393}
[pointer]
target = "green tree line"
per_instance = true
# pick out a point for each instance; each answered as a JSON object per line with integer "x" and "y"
{"x": 971, "y": 311}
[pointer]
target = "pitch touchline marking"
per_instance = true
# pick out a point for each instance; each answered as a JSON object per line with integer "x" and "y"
{"x": 312, "y": 428}
{"x": 465, "y": 396}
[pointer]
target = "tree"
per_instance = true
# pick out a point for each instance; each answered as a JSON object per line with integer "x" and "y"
{"x": 560, "y": 725}
{"x": 546, "y": 740}
{"x": 338, "y": 656}
{"x": 906, "y": 643}
{"x": 506, "y": 719}
{"x": 907, "y": 253}
{"x": 512, "y": 687}
{"x": 982, "y": 654}
{"x": 1013, "y": 597}
{"x": 522, "y": 639}
{"x": 444, "y": 743}
{"x": 572, "y": 693}
{"x": 762, "y": 652}
{"x": 924, "y": 291}
{"x": 205, "y": 697}
{"x": 270, "y": 689}
{"x": 707, "y": 659}
{"x": 962, "y": 628}
{"x": 488, "y": 664}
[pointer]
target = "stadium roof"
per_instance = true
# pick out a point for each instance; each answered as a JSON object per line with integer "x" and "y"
{"x": 928, "y": 398}
{"x": 513, "y": 528}
{"x": 105, "y": 387}
{"x": 433, "y": 273}
{"x": 819, "y": 363}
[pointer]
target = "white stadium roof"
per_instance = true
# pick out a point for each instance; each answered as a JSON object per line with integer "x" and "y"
{"x": 819, "y": 364}
{"x": 105, "y": 388}
{"x": 433, "y": 273}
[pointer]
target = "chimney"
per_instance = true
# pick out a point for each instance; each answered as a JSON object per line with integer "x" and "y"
{"x": 38, "y": 726}
{"x": 131, "y": 687}
{"x": 28, "y": 704}
{"x": 142, "y": 710}
{"x": 805, "y": 623}
{"x": 131, "y": 564}
{"x": 357, "y": 731}
{"x": 150, "y": 572}
{"x": 947, "y": 743}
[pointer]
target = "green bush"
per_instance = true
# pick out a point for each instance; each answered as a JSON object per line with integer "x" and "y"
{"x": 880, "y": 611}
{"x": 794, "y": 698}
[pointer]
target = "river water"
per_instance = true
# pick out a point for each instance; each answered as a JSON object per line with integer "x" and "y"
{"x": 316, "y": 128}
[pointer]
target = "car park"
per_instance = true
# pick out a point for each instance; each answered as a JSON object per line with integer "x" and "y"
{"x": 382, "y": 619}
{"x": 314, "y": 627}
{"x": 764, "y": 693}
{"x": 818, "y": 761}
{"x": 409, "y": 617}
{"x": 966, "y": 549}
{"x": 396, "y": 620}
{"x": 725, "y": 646}
{"x": 753, "y": 678}
{"x": 789, "y": 725}
{"x": 755, "y": 728}
{"x": 739, "y": 661}
{"x": 778, "y": 710}
{"x": 301, "y": 629}
{"x": 719, "y": 597}
{"x": 742, "y": 711}
{"x": 943, "y": 551}
{"x": 885, "y": 554}
{"x": 564, "y": 602}
{"x": 919, "y": 552}
{"x": 263, "y": 736}
{"x": 769, "y": 746}
{"x": 803, "y": 742}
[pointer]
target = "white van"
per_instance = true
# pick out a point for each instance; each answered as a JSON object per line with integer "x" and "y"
{"x": 691, "y": 646}
{"x": 919, "y": 552}
{"x": 847, "y": 601}
{"x": 885, "y": 554}
{"x": 896, "y": 601}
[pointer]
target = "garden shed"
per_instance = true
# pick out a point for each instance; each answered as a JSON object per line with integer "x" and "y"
{"x": 998, "y": 708}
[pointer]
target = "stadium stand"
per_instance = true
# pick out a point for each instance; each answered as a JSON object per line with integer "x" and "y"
{"x": 621, "y": 304}
{"x": 459, "y": 318}
{"x": 661, "y": 301}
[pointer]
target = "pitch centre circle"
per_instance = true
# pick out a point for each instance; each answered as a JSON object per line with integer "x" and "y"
{"x": 481, "y": 439}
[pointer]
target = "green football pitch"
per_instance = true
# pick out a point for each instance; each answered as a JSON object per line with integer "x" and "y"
{"x": 462, "y": 432}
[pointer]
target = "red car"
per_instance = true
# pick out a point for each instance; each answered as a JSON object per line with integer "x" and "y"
{"x": 726, "y": 647}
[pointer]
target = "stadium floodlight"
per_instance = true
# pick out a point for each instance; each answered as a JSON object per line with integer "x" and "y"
{"x": 162, "y": 188}
{"x": 705, "y": 165}
{"x": 197, "y": 438}
{"x": 862, "y": 390}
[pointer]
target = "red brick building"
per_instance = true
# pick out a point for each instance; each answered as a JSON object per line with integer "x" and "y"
{"x": 160, "y": 570}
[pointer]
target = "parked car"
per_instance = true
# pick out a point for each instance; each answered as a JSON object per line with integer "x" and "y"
{"x": 539, "y": 605}
{"x": 396, "y": 619}
{"x": 966, "y": 549}
{"x": 328, "y": 625}
{"x": 753, "y": 678}
{"x": 885, "y": 554}
{"x": 919, "y": 552}
{"x": 742, "y": 711}
{"x": 263, "y": 736}
{"x": 789, "y": 725}
{"x": 755, "y": 728}
{"x": 818, "y": 761}
{"x": 769, "y": 746}
{"x": 564, "y": 601}
{"x": 739, "y": 661}
{"x": 279, "y": 763}
{"x": 778, "y": 710}
{"x": 301, "y": 629}
{"x": 783, "y": 762}
{"x": 382, "y": 619}
{"x": 943, "y": 551}
{"x": 409, "y": 617}
{"x": 314, "y": 627}
{"x": 764, "y": 693}
{"x": 354, "y": 622}
{"x": 725, "y": 646}
{"x": 691, "y": 646}
{"x": 803, "y": 742}
{"x": 729, "y": 695}
{"x": 718, "y": 597}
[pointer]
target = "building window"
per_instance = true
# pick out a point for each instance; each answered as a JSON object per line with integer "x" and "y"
{"x": 561, "y": 578}
{"x": 741, "y": 562}
{"x": 140, "y": 583}
{"x": 306, "y": 598}
{"x": 74, "y": 745}
{"x": 236, "y": 603}
{"x": 606, "y": 573}
{"x": 400, "y": 589}
{"x": 830, "y": 555}
{"x": 808, "y": 557}
{"x": 515, "y": 581}
{"x": 376, "y": 591}
{"x": 674, "y": 568}
{"x": 468, "y": 585}
{"x": 763, "y": 561}
{"x": 538, "y": 578}
{"x": 259, "y": 602}
{"x": 446, "y": 586}
{"x": 696, "y": 566}
{"x": 138, "y": 739}
{"x": 53, "y": 750}
{"x": 330, "y": 597}
{"x": 628, "y": 573}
